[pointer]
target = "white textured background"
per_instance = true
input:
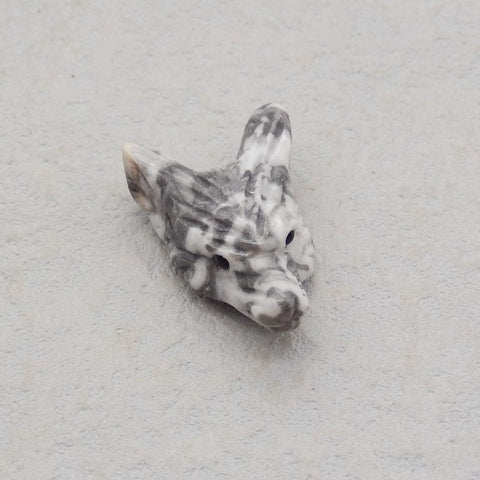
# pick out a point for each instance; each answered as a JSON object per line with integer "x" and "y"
{"x": 111, "y": 368}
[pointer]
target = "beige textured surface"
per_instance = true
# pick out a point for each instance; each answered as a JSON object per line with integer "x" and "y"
{"x": 110, "y": 368}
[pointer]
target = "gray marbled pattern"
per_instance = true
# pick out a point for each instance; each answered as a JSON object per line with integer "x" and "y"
{"x": 235, "y": 234}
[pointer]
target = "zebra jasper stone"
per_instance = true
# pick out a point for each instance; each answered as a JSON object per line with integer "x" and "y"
{"x": 235, "y": 234}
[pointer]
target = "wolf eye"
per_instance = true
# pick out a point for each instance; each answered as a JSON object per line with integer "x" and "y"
{"x": 221, "y": 262}
{"x": 290, "y": 236}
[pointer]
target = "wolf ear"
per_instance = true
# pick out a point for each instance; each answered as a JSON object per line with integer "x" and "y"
{"x": 141, "y": 168}
{"x": 267, "y": 139}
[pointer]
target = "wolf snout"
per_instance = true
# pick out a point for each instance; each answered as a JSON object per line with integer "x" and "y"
{"x": 283, "y": 308}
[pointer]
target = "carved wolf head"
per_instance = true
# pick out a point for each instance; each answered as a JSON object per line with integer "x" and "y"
{"x": 235, "y": 234}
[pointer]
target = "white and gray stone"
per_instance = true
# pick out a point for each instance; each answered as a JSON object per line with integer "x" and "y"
{"x": 235, "y": 234}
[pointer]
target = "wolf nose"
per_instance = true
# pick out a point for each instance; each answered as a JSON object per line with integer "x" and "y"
{"x": 286, "y": 313}
{"x": 286, "y": 320}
